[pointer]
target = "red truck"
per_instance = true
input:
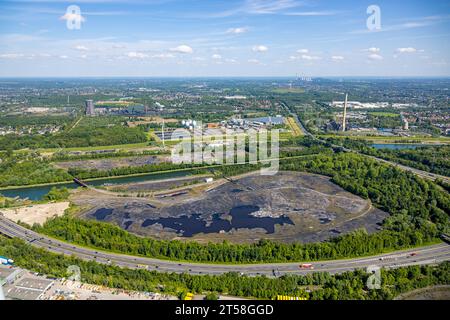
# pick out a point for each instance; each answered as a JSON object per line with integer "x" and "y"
{"x": 306, "y": 266}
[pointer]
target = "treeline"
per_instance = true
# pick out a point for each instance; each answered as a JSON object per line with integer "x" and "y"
{"x": 112, "y": 238}
{"x": 56, "y": 194}
{"x": 435, "y": 159}
{"x": 67, "y": 156}
{"x": 78, "y": 137}
{"x": 408, "y": 198}
{"x": 29, "y": 168}
{"x": 303, "y": 146}
{"x": 381, "y": 121}
{"x": 25, "y": 121}
{"x": 323, "y": 286}
{"x": 82, "y": 173}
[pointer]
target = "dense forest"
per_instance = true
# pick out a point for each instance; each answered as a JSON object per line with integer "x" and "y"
{"x": 419, "y": 214}
{"x": 315, "y": 286}
{"x": 67, "y": 156}
{"x": 112, "y": 238}
{"x": 379, "y": 120}
{"x": 28, "y": 168}
{"x": 78, "y": 137}
{"x": 434, "y": 159}
{"x": 120, "y": 171}
{"x": 17, "y": 122}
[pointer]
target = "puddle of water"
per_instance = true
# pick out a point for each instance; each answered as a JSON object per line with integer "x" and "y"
{"x": 187, "y": 226}
{"x": 127, "y": 224}
{"x": 325, "y": 220}
{"x": 102, "y": 213}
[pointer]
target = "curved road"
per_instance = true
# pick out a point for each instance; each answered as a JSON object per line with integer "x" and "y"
{"x": 419, "y": 256}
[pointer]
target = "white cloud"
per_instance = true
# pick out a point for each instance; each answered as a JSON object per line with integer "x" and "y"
{"x": 231, "y": 60}
{"x": 269, "y": 6}
{"x": 118, "y": 46}
{"x": 375, "y": 57}
{"x": 237, "y": 30}
{"x": 216, "y": 56}
{"x": 308, "y": 57}
{"x": 81, "y": 48}
{"x": 183, "y": 49}
{"x": 137, "y": 55}
{"x": 406, "y": 50}
{"x": 163, "y": 56}
{"x": 83, "y": 56}
{"x": 63, "y": 57}
{"x": 255, "y": 7}
{"x": 253, "y": 61}
{"x": 373, "y": 50}
{"x": 260, "y": 48}
{"x": 302, "y": 51}
{"x": 337, "y": 58}
{"x": 11, "y": 55}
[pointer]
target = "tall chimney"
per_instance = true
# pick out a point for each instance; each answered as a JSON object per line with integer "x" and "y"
{"x": 345, "y": 113}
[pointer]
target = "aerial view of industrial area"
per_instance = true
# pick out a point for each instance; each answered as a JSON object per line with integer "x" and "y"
{"x": 227, "y": 156}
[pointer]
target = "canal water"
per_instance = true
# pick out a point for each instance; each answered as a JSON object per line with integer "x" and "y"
{"x": 37, "y": 193}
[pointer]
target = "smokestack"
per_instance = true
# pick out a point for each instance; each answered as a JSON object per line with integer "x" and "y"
{"x": 345, "y": 113}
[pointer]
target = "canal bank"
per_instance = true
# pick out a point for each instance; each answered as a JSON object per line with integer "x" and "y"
{"x": 37, "y": 192}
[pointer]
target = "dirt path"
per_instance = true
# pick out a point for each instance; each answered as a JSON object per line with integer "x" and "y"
{"x": 38, "y": 213}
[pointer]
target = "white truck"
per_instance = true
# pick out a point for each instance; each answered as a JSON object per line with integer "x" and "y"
{"x": 5, "y": 261}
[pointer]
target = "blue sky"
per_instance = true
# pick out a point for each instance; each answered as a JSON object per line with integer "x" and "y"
{"x": 224, "y": 38}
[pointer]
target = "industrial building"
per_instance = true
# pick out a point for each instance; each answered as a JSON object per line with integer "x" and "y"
{"x": 20, "y": 284}
{"x": 90, "y": 111}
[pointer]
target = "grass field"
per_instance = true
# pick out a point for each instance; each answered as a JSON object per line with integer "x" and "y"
{"x": 296, "y": 131}
{"x": 384, "y": 114}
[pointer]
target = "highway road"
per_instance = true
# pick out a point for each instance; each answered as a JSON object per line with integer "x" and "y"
{"x": 420, "y": 173}
{"x": 419, "y": 256}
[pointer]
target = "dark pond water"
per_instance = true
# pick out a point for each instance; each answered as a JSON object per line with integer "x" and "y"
{"x": 127, "y": 224}
{"x": 102, "y": 213}
{"x": 187, "y": 226}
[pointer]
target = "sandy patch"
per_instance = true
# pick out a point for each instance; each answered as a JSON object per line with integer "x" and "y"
{"x": 38, "y": 213}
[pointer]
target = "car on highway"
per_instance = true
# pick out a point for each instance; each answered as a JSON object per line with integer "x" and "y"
{"x": 306, "y": 266}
